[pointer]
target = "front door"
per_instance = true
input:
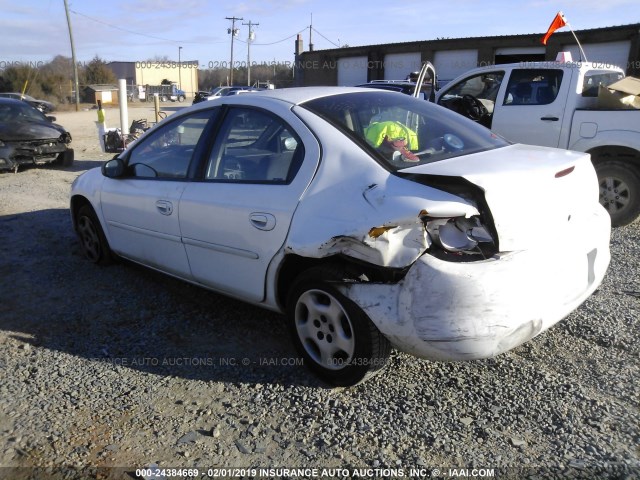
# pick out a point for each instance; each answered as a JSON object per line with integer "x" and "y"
{"x": 532, "y": 106}
{"x": 141, "y": 208}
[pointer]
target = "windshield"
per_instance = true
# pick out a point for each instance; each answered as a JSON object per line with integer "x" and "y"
{"x": 402, "y": 131}
{"x": 19, "y": 111}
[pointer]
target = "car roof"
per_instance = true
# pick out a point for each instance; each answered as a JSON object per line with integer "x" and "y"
{"x": 298, "y": 95}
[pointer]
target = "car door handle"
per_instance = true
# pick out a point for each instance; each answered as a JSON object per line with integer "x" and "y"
{"x": 550, "y": 119}
{"x": 263, "y": 221}
{"x": 164, "y": 207}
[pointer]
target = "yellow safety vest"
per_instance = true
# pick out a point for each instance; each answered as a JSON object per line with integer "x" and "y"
{"x": 376, "y": 132}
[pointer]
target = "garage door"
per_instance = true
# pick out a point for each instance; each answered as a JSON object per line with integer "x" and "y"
{"x": 610, "y": 53}
{"x": 398, "y": 65}
{"x": 352, "y": 71}
{"x": 519, "y": 54}
{"x": 451, "y": 63}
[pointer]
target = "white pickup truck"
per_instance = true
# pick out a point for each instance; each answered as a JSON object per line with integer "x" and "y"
{"x": 556, "y": 105}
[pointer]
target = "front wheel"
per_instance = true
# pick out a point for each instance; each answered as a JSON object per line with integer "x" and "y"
{"x": 619, "y": 191}
{"x": 92, "y": 239}
{"x": 336, "y": 338}
{"x": 65, "y": 159}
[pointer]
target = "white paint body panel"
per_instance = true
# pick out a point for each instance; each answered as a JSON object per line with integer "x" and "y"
{"x": 513, "y": 177}
{"x": 466, "y": 311}
{"x": 554, "y": 251}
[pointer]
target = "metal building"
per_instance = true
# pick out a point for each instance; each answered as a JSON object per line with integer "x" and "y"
{"x": 619, "y": 45}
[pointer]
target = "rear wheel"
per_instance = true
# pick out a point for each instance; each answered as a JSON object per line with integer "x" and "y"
{"x": 92, "y": 240}
{"x": 336, "y": 338}
{"x": 619, "y": 191}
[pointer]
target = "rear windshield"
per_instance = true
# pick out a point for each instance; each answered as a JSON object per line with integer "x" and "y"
{"x": 402, "y": 131}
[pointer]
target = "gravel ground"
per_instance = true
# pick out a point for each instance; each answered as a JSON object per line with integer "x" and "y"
{"x": 124, "y": 367}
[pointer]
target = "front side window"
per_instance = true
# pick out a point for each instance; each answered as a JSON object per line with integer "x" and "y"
{"x": 254, "y": 146}
{"x": 533, "y": 87}
{"x": 401, "y": 131}
{"x": 168, "y": 151}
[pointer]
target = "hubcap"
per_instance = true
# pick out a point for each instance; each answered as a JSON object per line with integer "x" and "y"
{"x": 325, "y": 330}
{"x": 89, "y": 238}
{"x": 614, "y": 194}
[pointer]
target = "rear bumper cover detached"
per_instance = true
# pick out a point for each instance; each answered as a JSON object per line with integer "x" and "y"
{"x": 454, "y": 311}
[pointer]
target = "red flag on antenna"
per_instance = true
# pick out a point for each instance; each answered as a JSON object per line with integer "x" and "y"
{"x": 557, "y": 23}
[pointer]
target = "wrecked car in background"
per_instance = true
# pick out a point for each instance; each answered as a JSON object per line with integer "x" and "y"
{"x": 372, "y": 219}
{"x": 27, "y": 137}
{"x": 42, "y": 105}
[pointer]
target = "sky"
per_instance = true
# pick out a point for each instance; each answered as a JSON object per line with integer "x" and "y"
{"x": 35, "y": 31}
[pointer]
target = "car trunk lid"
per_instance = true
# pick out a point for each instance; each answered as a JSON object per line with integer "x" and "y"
{"x": 530, "y": 190}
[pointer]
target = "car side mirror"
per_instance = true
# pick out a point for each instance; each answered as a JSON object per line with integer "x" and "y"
{"x": 51, "y": 118}
{"x": 114, "y": 168}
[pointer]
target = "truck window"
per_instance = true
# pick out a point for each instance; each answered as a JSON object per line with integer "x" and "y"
{"x": 533, "y": 87}
{"x": 482, "y": 88}
{"x": 593, "y": 79}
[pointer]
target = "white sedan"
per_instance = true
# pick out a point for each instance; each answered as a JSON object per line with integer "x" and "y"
{"x": 372, "y": 219}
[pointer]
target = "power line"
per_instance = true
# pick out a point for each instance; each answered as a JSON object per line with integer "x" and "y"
{"x": 136, "y": 33}
{"x": 333, "y": 43}
{"x": 279, "y": 41}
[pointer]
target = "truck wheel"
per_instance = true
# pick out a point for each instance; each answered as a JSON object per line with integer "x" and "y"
{"x": 619, "y": 191}
{"x": 164, "y": 98}
{"x": 335, "y": 337}
{"x": 181, "y": 98}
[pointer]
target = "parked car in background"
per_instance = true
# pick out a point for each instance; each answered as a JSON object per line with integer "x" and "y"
{"x": 27, "y": 136}
{"x": 308, "y": 201}
{"x": 42, "y": 105}
{"x": 222, "y": 92}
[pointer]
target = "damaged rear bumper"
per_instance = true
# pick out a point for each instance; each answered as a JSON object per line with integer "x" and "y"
{"x": 452, "y": 311}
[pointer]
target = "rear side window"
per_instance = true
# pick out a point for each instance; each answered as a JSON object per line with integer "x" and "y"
{"x": 254, "y": 146}
{"x": 533, "y": 87}
{"x": 594, "y": 79}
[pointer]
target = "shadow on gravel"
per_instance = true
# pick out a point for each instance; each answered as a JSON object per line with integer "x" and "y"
{"x": 78, "y": 166}
{"x": 128, "y": 316}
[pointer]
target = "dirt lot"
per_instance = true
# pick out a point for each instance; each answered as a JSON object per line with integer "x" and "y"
{"x": 119, "y": 368}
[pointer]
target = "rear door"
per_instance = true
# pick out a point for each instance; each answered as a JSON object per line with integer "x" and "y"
{"x": 531, "y": 108}
{"x": 237, "y": 216}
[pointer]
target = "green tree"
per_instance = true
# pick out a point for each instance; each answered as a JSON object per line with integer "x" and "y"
{"x": 97, "y": 73}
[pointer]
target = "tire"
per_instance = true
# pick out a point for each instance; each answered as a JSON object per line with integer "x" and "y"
{"x": 164, "y": 98}
{"x": 92, "y": 240}
{"x": 65, "y": 159}
{"x": 181, "y": 98}
{"x": 619, "y": 191}
{"x": 337, "y": 340}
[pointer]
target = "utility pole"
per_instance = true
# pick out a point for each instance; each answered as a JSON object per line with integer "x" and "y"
{"x": 234, "y": 32}
{"x": 179, "y": 69}
{"x": 251, "y": 36}
{"x": 310, "y": 39}
{"x": 73, "y": 57}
